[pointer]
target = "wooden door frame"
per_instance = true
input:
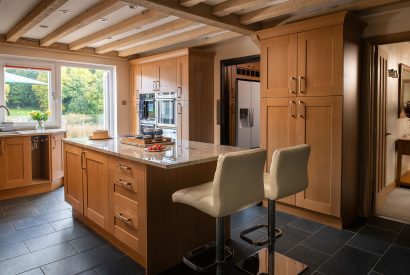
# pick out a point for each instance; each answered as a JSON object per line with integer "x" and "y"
{"x": 369, "y": 127}
{"x": 223, "y": 105}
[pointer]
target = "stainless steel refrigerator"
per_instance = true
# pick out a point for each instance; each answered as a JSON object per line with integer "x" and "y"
{"x": 248, "y": 106}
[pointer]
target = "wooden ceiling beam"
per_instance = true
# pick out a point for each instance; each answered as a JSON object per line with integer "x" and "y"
{"x": 232, "y": 6}
{"x": 190, "y": 3}
{"x": 200, "y": 13}
{"x": 281, "y": 9}
{"x": 145, "y": 35}
{"x": 96, "y": 12}
{"x": 34, "y": 17}
{"x": 178, "y": 38}
{"x": 147, "y": 17}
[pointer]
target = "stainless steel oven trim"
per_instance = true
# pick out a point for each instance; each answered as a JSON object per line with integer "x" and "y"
{"x": 158, "y": 100}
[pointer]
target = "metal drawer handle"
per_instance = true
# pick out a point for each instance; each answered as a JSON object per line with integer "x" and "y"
{"x": 301, "y": 78}
{"x": 123, "y": 167}
{"x": 124, "y": 184}
{"x": 124, "y": 219}
{"x": 291, "y": 81}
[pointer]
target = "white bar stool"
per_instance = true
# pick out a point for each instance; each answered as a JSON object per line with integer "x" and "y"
{"x": 237, "y": 184}
{"x": 288, "y": 175}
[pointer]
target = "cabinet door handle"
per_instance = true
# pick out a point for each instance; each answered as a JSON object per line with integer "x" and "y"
{"x": 292, "y": 103}
{"x": 2, "y": 147}
{"x": 124, "y": 219}
{"x": 157, "y": 85}
{"x": 179, "y": 109}
{"x": 54, "y": 143}
{"x": 123, "y": 167}
{"x": 301, "y": 103}
{"x": 124, "y": 184}
{"x": 291, "y": 81}
{"x": 179, "y": 92}
{"x": 153, "y": 85}
{"x": 301, "y": 78}
{"x": 82, "y": 160}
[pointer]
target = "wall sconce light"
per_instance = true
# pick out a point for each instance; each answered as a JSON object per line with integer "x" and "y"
{"x": 393, "y": 73}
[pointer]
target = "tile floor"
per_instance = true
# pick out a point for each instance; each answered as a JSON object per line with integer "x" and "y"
{"x": 39, "y": 236}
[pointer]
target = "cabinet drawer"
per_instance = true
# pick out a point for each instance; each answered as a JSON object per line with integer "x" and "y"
{"x": 127, "y": 168}
{"x": 128, "y": 193}
{"x": 128, "y": 228}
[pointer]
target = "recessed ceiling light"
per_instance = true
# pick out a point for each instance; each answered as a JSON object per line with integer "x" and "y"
{"x": 43, "y": 26}
{"x": 137, "y": 28}
{"x": 133, "y": 7}
{"x": 109, "y": 37}
{"x": 64, "y": 11}
{"x": 104, "y": 20}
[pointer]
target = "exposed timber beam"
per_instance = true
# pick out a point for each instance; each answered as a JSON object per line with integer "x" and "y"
{"x": 96, "y": 12}
{"x": 232, "y": 6}
{"x": 200, "y": 13}
{"x": 34, "y": 17}
{"x": 136, "y": 21}
{"x": 179, "y": 38}
{"x": 190, "y": 3}
{"x": 145, "y": 35}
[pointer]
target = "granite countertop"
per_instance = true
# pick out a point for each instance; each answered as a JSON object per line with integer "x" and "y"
{"x": 183, "y": 153}
{"x": 31, "y": 132}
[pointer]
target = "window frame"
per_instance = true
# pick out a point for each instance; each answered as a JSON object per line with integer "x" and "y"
{"x": 53, "y": 93}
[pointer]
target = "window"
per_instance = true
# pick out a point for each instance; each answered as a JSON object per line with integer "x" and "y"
{"x": 26, "y": 87}
{"x": 85, "y": 100}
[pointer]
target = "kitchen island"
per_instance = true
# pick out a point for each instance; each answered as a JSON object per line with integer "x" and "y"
{"x": 123, "y": 192}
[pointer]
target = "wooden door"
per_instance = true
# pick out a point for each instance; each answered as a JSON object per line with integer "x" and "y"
{"x": 73, "y": 181}
{"x": 135, "y": 83}
{"x": 167, "y": 75}
{"x": 95, "y": 184}
{"x": 16, "y": 162}
{"x": 320, "y": 62}
{"x": 319, "y": 124}
{"x": 148, "y": 77}
{"x": 278, "y": 117}
{"x": 57, "y": 160}
{"x": 279, "y": 66}
{"x": 183, "y": 77}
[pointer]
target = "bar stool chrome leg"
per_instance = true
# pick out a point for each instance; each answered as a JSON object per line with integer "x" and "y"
{"x": 271, "y": 236}
{"x": 220, "y": 245}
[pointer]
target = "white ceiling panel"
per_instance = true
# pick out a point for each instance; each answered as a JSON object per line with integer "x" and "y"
{"x": 113, "y": 18}
{"x": 143, "y": 28}
{"x": 57, "y": 19}
{"x": 12, "y": 11}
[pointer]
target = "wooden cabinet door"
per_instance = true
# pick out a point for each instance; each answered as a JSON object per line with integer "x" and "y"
{"x": 73, "y": 181}
{"x": 148, "y": 76}
{"x": 57, "y": 160}
{"x": 135, "y": 83}
{"x": 183, "y": 77}
{"x": 279, "y": 66}
{"x": 320, "y": 125}
{"x": 183, "y": 120}
{"x": 95, "y": 184}
{"x": 16, "y": 162}
{"x": 320, "y": 62}
{"x": 278, "y": 117}
{"x": 167, "y": 75}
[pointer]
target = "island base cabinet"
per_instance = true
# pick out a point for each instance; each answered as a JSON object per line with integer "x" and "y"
{"x": 95, "y": 184}
{"x": 73, "y": 182}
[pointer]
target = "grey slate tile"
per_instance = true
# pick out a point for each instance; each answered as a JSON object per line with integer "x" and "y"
{"x": 121, "y": 266}
{"x": 83, "y": 261}
{"x": 289, "y": 239}
{"x": 87, "y": 242}
{"x": 56, "y": 237}
{"x": 328, "y": 240}
{"x": 41, "y": 219}
{"x": 36, "y": 271}
{"x": 12, "y": 250}
{"x": 312, "y": 258}
{"x": 386, "y": 224}
{"x": 25, "y": 234}
{"x": 6, "y": 228}
{"x": 33, "y": 260}
{"x": 63, "y": 224}
{"x": 10, "y": 202}
{"x": 44, "y": 209}
{"x": 395, "y": 261}
{"x": 305, "y": 225}
{"x": 373, "y": 239}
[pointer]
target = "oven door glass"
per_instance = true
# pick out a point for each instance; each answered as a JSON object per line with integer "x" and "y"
{"x": 149, "y": 109}
{"x": 166, "y": 112}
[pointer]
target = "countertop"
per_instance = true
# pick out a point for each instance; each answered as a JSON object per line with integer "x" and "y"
{"x": 31, "y": 132}
{"x": 184, "y": 153}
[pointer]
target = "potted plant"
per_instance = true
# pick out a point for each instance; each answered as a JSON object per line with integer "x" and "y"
{"x": 41, "y": 118}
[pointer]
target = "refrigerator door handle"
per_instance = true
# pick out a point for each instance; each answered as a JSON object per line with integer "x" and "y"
{"x": 251, "y": 117}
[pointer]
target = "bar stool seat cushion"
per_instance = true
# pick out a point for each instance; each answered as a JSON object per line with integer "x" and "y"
{"x": 200, "y": 197}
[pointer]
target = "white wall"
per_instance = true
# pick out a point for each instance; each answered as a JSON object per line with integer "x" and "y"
{"x": 397, "y": 53}
{"x": 387, "y": 22}
{"x": 237, "y": 47}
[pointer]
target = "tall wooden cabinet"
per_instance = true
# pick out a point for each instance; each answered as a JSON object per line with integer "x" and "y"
{"x": 188, "y": 73}
{"x": 310, "y": 94}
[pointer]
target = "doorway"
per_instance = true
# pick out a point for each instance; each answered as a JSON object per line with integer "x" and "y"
{"x": 240, "y": 101}
{"x": 392, "y": 173}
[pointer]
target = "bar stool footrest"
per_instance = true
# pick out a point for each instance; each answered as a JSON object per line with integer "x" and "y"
{"x": 244, "y": 233}
{"x": 203, "y": 258}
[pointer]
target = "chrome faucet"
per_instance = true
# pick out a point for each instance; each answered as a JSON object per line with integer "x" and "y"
{"x": 7, "y": 109}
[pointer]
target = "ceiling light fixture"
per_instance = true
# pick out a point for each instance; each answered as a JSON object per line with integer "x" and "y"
{"x": 104, "y": 20}
{"x": 43, "y": 26}
{"x": 64, "y": 11}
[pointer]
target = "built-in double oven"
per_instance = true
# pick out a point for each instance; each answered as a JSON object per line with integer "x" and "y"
{"x": 147, "y": 109}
